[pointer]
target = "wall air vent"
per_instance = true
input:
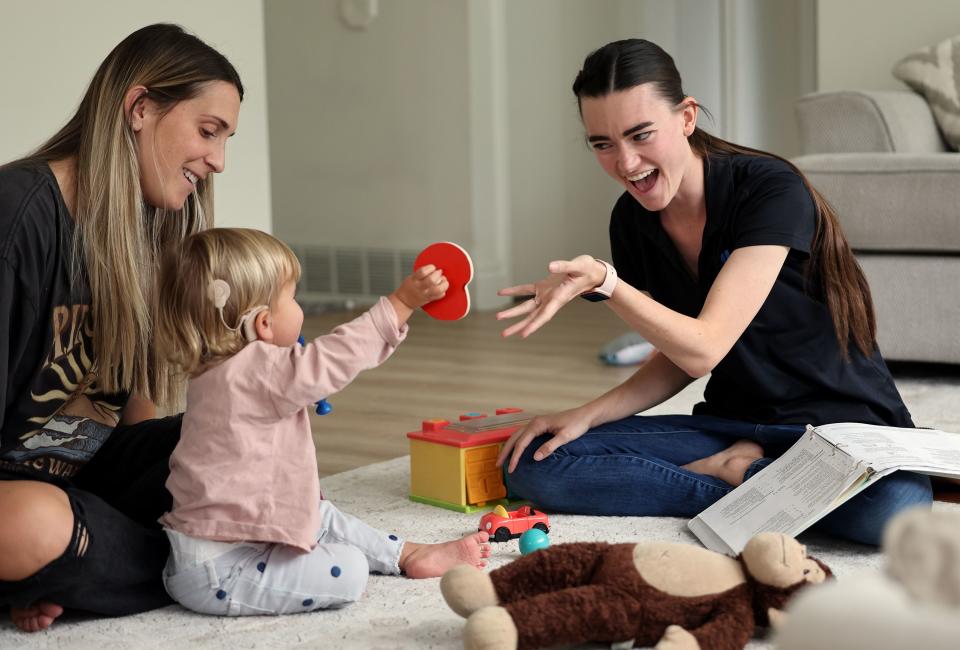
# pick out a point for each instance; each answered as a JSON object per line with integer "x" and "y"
{"x": 334, "y": 277}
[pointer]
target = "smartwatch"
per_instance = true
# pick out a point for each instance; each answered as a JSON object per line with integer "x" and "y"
{"x": 605, "y": 289}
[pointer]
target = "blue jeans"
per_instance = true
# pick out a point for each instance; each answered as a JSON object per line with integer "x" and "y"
{"x": 632, "y": 467}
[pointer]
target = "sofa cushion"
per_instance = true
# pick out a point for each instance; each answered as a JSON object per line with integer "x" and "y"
{"x": 934, "y": 72}
{"x": 915, "y": 297}
{"x": 892, "y": 202}
{"x": 849, "y": 121}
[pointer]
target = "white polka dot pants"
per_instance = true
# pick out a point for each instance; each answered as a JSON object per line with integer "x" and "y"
{"x": 249, "y": 579}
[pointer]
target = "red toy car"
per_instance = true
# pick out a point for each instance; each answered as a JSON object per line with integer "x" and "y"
{"x": 503, "y": 525}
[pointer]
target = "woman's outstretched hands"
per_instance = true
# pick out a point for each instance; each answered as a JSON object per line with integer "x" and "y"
{"x": 567, "y": 280}
{"x": 565, "y": 426}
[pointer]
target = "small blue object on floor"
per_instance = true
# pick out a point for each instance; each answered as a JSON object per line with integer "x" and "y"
{"x": 533, "y": 540}
{"x": 627, "y": 349}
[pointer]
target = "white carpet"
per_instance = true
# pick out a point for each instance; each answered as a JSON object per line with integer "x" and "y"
{"x": 395, "y": 612}
{"x": 400, "y": 613}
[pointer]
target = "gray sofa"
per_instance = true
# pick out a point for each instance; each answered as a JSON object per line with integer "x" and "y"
{"x": 879, "y": 159}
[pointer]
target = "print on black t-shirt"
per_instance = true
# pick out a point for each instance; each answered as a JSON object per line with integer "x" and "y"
{"x": 83, "y": 418}
{"x": 54, "y": 414}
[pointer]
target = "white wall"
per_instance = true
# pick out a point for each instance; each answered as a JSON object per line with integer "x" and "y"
{"x": 454, "y": 119}
{"x": 768, "y": 63}
{"x": 369, "y": 129}
{"x": 560, "y": 198}
{"x": 49, "y": 50}
{"x": 385, "y": 138}
{"x": 860, "y": 40}
{"x": 444, "y": 119}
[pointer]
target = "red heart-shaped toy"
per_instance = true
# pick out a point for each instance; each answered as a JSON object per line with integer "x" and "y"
{"x": 457, "y": 267}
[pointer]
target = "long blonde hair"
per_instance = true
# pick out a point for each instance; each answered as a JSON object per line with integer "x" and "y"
{"x": 119, "y": 239}
{"x": 190, "y": 334}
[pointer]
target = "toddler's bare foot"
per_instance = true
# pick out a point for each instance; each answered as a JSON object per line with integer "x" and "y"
{"x": 433, "y": 560}
{"x": 36, "y": 617}
{"x": 730, "y": 464}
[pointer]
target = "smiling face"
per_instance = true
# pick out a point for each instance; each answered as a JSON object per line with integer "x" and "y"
{"x": 183, "y": 145}
{"x": 640, "y": 140}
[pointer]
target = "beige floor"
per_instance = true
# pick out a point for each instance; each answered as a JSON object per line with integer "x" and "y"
{"x": 444, "y": 369}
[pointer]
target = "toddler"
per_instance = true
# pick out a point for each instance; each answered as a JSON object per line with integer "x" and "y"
{"x": 249, "y": 530}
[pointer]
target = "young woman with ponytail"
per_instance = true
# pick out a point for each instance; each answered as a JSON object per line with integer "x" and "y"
{"x": 731, "y": 264}
{"x": 83, "y": 223}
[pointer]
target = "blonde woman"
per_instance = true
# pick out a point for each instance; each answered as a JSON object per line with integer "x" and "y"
{"x": 249, "y": 530}
{"x": 82, "y": 222}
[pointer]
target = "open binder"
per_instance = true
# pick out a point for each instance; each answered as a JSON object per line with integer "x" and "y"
{"x": 826, "y": 467}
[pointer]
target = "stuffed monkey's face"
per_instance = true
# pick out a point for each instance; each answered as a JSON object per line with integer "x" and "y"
{"x": 780, "y": 561}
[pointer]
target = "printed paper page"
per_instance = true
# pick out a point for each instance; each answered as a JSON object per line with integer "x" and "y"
{"x": 788, "y": 496}
{"x": 889, "y": 447}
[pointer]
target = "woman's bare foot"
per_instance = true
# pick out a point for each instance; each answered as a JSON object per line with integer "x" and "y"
{"x": 433, "y": 560}
{"x": 36, "y": 617}
{"x": 730, "y": 464}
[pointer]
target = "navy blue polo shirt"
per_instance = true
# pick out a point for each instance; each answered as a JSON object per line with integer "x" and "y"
{"x": 787, "y": 367}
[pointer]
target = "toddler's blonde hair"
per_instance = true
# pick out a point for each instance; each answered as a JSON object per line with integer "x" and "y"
{"x": 190, "y": 334}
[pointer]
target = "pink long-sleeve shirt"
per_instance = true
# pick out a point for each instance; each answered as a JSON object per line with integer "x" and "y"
{"x": 245, "y": 468}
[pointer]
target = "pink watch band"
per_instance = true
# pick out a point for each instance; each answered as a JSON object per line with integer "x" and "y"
{"x": 605, "y": 288}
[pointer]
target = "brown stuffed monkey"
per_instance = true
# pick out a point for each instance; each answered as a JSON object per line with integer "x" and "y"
{"x": 656, "y": 593}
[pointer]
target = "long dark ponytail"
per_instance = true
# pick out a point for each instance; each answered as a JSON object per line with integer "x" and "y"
{"x": 832, "y": 271}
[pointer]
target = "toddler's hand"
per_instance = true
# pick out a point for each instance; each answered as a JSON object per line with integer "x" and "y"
{"x": 424, "y": 285}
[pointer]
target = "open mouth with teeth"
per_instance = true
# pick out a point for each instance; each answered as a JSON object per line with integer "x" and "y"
{"x": 190, "y": 176}
{"x": 644, "y": 181}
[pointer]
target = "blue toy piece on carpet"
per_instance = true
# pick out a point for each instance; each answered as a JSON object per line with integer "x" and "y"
{"x": 628, "y": 349}
{"x": 533, "y": 540}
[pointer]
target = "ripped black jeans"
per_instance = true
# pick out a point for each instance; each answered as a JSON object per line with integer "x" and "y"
{"x": 114, "y": 562}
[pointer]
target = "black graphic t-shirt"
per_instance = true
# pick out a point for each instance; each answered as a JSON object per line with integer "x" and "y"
{"x": 53, "y": 414}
